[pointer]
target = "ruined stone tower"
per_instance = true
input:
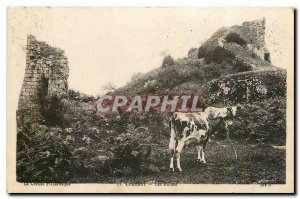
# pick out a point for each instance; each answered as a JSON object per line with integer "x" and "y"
{"x": 46, "y": 74}
{"x": 254, "y": 33}
{"x": 253, "y": 52}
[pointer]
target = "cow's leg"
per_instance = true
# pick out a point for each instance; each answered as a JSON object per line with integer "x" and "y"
{"x": 203, "y": 155}
{"x": 203, "y": 151}
{"x": 172, "y": 152}
{"x": 178, "y": 151}
{"x": 199, "y": 154}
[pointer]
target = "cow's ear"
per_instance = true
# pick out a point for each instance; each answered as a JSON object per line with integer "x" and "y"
{"x": 238, "y": 107}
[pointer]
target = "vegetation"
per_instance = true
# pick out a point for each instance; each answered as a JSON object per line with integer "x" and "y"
{"x": 233, "y": 37}
{"x": 53, "y": 111}
{"x": 168, "y": 61}
{"x": 77, "y": 96}
{"x": 43, "y": 154}
{"x": 201, "y": 52}
{"x": 219, "y": 55}
{"x": 241, "y": 66}
{"x": 74, "y": 144}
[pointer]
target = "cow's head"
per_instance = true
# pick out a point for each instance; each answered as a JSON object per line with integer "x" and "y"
{"x": 233, "y": 111}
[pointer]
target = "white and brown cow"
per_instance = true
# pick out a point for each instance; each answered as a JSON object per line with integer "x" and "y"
{"x": 195, "y": 128}
{"x": 227, "y": 113}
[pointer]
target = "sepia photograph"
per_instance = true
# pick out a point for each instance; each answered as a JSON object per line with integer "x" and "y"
{"x": 150, "y": 100}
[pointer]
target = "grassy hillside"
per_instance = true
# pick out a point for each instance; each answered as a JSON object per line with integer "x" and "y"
{"x": 186, "y": 71}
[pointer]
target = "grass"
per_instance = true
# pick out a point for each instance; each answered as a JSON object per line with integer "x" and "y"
{"x": 255, "y": 164}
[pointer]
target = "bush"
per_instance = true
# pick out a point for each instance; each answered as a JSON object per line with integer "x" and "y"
{"x": 241, "y": 66}
{"x": 77, "y": 96}
{"x": 201, "y": 52}
{"x": 53, "y": 111}
{"x": 43, "y": 155}
{"x": 235, "y": 38}
{"x": 129, "y": 154}
{"x": 150, "y": 86}
{"x": 262, "y": 122}
{"x": 168, "y": 61}
{"x": 218, "y": 55}
{"x": 137, "y": 76}
{"x": 211, "y": 72}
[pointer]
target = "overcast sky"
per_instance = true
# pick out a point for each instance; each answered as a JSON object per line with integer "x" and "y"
{"x": 109, "y": 45}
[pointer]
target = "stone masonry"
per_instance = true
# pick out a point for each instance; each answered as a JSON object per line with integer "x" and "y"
{"x": 46, "y": 74}
{"x": 253, "y": 32}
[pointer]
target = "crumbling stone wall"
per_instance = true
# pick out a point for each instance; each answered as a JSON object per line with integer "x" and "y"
{"x": 253, "y": 32}
{"x": 46, "y": 74}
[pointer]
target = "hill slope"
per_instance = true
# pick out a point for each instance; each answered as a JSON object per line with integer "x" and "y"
{"x": 230, "y": 50}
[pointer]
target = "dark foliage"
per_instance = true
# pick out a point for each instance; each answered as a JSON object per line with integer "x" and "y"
{"x": 211, "y": 72}
{"x": 129, "y": 154}
{"x": 218, "y": 55}
{"x": 168, "y": 61}
{"x": 233, "y": 37}
{"x": 261, "y": 123}
{"x": 53, "y": 111}
{"x": 43, "y": 155}
{"x": 77, "y": 96}
{"x": 240, "y": 66}
{"x": 201, "y": 52}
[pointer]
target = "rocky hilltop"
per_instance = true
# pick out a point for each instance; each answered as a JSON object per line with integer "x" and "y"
{"x": 243, "y": 43}
{"x": 230, "y": 50}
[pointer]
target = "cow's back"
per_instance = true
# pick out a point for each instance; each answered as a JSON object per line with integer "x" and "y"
{"x": 187, "y": 122}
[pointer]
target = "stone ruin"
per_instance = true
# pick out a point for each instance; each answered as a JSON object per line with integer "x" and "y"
{"x": 46, "y": 75}
{"x": 253, "y": 32}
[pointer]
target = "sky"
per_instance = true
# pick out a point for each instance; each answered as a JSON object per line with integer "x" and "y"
{"x": 109, "y": 45}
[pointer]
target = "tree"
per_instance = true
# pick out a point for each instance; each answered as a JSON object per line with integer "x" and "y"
{"x": 109, "y": 86}
{"x": 168, "y": 61}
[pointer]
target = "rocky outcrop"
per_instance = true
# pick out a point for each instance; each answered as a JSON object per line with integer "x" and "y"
{"x": 246, "y": 41}
{"x": 246, "y": 87}
{"x": 46, "y": 74}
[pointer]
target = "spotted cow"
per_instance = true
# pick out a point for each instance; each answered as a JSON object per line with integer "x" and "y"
{"x": 195, "y": 129}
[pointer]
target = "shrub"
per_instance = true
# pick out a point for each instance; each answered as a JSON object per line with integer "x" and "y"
{"x": 235, "y": 38}
{"x": 211, "y": 72}
{"x": 53, "y": 111}
{"x": 261, "y": 122}
{"x": 43, "y": 155}
{"x": 128, "y": 155}
{"x": 137, "y": 76}
{"x": 77, "y": 96}
{"x": 168, "y": 61}
{"x": 218, "y": 55}
{"x": 164, "y": 78}
{"x": 150, "y": 86}
{"x": 201, "y": 52}
{"x": 241, "y": 66}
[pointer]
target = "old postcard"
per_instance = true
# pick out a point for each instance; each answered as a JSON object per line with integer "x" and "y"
{"x": 150, "y": 100}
